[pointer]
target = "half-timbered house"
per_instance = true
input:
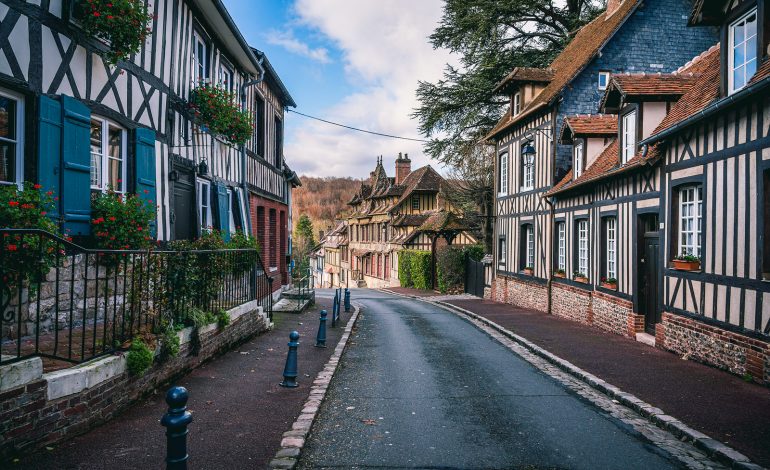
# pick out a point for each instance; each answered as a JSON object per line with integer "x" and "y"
{"x": 628, "y": 36}
{"x": 81, "y": 125}
{"x": 390, "y": 214}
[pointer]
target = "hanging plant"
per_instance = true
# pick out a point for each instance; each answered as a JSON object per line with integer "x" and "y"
{"x": 217, "y": 109}
{"x": 124, "y": 24}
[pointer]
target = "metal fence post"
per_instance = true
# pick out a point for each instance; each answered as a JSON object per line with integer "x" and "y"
{"x": 270, "y": 295}
{"x": 347, "y": 300}
{"x": 320, "y": 341}
{"x": 290, "y": 371}
{"x": 175, "y": 421}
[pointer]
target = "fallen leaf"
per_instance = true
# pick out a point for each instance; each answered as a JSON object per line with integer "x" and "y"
{"x": 369, "y": 422}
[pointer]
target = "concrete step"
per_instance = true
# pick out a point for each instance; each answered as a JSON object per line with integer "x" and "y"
{"x": 296, "y": 294}
{"x": 646, "y": 338}
{"x": 293, "y": 305}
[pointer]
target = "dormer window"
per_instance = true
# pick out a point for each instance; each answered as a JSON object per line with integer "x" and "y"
{"x": 516, "y": 106}
{"x": 628, "y": 142}
{"x": 742, "y": 56}
{"x": 578, "y": 166}
{"x": 604, "y": 80}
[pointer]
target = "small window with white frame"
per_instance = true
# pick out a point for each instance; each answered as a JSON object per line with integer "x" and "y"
{"x": 108, "y": 156}
{"x": 502, "y": 252}
{"x": 200, "y": 59}
{"x": 561, "y": 246}
{"x": 604, "y": 80}
{"x": 11, "y": 138}
{"x": 502, "y": 179}
{"x": 611, "y": 243}
{"x": 690, "y": 220}
{"x": 742, "y": 54}
{"x": 578, "y": 160}
{"x": 628, "y": 149}
{"x": 529, "y": 246}
{"x": 230, "y": 212}
{"x": 582, "y": 247}
{"x": 527, "y": 166}
{"x": 226, "y": 77}
{"x": 516, "y": 105}
{"x": 204, "y": 205}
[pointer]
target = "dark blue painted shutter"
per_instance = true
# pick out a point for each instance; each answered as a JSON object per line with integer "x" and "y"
{"x": 222, "y": 210}
{"x": 76, "y": 163}
{"x": 144, "y": 143}
{"x": 49, "y": 149}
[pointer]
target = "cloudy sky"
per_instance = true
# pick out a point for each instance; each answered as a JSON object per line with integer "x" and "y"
{"x": 351, "y": 61}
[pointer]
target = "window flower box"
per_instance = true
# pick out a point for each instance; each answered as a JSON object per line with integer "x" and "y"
{"x": 528, "y": 271}
{"x": 609, "y": 283}
{"x": 686, "y": 263}
{"x": 122, "y": 24}
{"x": 216, "y": 110}
{"x": 560, "y": 273}
{"x": 580, "y": 277}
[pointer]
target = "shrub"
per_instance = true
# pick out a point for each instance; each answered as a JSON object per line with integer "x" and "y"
{"x": 139, "y": 357}
{"x": 218, "y": 109}
{"x": 121, "y": 222}
{"x": 223, "y": 318}
{"x": 405, "y": 268}
{"x": 125, "y": 24}
{"x": 170, "y": 343}
{"x": 450, "y": 264}
{"x": 420, "y": 269}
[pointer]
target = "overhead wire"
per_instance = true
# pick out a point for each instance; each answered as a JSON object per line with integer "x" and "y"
{"x": 381, "y": 134}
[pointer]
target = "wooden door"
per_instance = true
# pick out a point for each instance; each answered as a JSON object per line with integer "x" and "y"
{"x": 648, "y": 282}
{"x": 182, "y": 216}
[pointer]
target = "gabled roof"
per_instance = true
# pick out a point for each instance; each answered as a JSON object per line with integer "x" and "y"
{"x": 421, "y": 179}
{"x": 215, "y": 13}
{"x": 524, "y": 75}
{"x": 663, "y": 86}
{"x": 409, "y": 220}
{"x": 572, "y": 60}
{"x": 595, "y": 125}
{"x": 274, "y": 81}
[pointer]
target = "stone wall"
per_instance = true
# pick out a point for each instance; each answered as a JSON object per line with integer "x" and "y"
{"x": 519, "y": 292}
{"x": 39, "y": 409}
{"x": 572, "y": 303}
{"x": 698, "y": 341}
{"x": 615, "y": 315}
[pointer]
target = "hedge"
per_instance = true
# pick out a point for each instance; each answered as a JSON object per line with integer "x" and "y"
{"x": 450, "y": 265}
{"x": 414, "y": 269}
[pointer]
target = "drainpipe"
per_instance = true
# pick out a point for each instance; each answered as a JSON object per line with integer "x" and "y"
{"x": 244, "y": 185}
{"x": 551, "y": 230}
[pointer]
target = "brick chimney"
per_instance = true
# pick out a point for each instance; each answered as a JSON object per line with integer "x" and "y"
{"x": 612, "y": 6}
{"x": 403, "y": 167}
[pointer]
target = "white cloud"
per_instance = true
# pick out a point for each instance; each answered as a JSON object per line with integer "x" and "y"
{"x": 386, "y": 52}
{"x": 292, "y": 44}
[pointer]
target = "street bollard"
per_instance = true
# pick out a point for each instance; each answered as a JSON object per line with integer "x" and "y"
{"x": 347, "y": 300}
{"x": 290, "y": 371}
{"x": 175, "y": 421}
{"x": 335, "y": 306}
{"x": 320, "y": 340}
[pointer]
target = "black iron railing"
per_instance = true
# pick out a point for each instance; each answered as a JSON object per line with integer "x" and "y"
{"x": 61, "y": 301}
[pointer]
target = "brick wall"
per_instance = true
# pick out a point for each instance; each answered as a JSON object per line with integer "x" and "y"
{"x": 269, "y": 225}
{"x": 29, "y": 419}
{"x": 519, "y": 292}
{"x": 724, "y": 349}
{"x": 615, "y": 315}
{"x": 571, "y": 303}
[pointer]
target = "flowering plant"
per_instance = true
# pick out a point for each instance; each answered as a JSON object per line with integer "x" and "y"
{"x": 217, "y": 109}
{"x": 26, "y": 257}
{"x": 609, "y": 280}
{"x": 687, "y": 257}
{"x": 121, "y": 222}
{"x": 124, "y": 23}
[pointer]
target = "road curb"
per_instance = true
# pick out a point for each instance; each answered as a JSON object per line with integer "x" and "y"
{"x": 713, "y": 448}
{"x": 294, "y": 440}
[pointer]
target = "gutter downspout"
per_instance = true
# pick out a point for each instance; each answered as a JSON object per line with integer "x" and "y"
{"x": 244, "y": 186}
{"x": 552, "y": 212}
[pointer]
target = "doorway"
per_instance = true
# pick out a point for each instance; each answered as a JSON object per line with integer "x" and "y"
{"x": 182, "y": 219}
{"x": 649, "y": 271}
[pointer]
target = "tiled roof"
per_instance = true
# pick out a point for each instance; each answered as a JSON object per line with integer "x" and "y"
{"x": 409, "y": 220}
{"x": 525, "y": 74}
{"x": 441, "y": 220}
{"x": 572, "y": 60}
{"x": 590, "y": 125}
{"x": 421, "y": 179}
{"x": 652, "y": 84}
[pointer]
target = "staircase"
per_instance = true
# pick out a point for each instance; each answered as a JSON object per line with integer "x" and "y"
{"x": 296, "y": 299}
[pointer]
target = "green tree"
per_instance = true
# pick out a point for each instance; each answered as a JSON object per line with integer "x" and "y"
{"x": 304, "y": 241}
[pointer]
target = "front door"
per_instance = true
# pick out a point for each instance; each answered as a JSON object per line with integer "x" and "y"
{"x": 648, "y": 281}
{"x": 182, "y": 219}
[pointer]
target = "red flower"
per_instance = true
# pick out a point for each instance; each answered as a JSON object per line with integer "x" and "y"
{"x": 43, "y": 213}
{"x": 13, "y": 203}
{"x": 139, "y": 228}
{"x": 37, "y": 186}
{"x": 96, "y": 13}
{"x": 12, "y": 247}
{"x": 49, "y": 193}
{"x": 112, "y": 218}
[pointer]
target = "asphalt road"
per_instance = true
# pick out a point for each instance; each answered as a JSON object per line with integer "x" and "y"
{"x": 421, "y": 388}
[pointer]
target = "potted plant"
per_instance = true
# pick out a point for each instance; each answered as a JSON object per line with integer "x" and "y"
{"x": 560, "y": 273}
{"x": 610, "y": 283}
{"x": 528, "y": 270}
{"x": 218, "y": 111}
{"x": 123, "y": 24}
{"x": 580, "y": 277}
{"x": 686, "y": 262}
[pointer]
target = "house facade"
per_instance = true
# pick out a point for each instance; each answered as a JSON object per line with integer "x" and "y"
{"x": 334, "y": 255}
{"x": 82, "y": 126}
{"x": 390, "y": 214}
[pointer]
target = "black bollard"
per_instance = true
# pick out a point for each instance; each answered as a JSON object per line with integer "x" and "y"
{"x": 290, "y": 371}
{"x": 347, "y": 300}
{"x": 335, "y": 306}
{"x": 320, "y": 339}
{"x": 176, "y": 420}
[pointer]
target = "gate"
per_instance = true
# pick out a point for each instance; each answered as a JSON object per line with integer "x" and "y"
{"x": 474, "y": 277}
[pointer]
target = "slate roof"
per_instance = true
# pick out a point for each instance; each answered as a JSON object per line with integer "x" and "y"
{"x": 595, "y": 125}
{"x": 572, "y": 60}
{"x": 525, "y": 75}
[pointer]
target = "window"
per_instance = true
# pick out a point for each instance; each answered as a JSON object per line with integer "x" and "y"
{"x": 690, "y": 220}
{"x": 561, "y": 246}
{"x": 766, "y": 239}
{"x": 11, "y": 138}
{"x": 226, "y": 77}
{"x": 629, "y": 136}
{"x": 604, "y": 80}
{"x": 611, "y": 240}
{"x": 516, "y": 106}
{"x": 502, "y": 253}
{"x": 578, "y": 159}
{"x": 259, "y": 125}
{"x": 502, "y": 184}
{"x": 528, "y": 166}
{"x": 742, "y": 55}
{"x": 528, "y": 257}
{"x": 582, "y": 248}
{"x": 230, "y": 211}
{"x": 416, "y": 202}
{"x": 108, "y": 156}
{"x": 204, "y": 204}
{"x": 200, "y": 62}
{"x": 278, "y": 142}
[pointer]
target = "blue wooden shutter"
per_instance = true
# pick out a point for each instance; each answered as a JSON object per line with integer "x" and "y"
{"x": 76, "y": 163}
{"x": 144, "y": 167}
{"x": 223, "y": 210}
{"x": 49, "y": 149}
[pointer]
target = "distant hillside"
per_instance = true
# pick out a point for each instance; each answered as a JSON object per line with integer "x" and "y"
{"x": 322, "y": 199}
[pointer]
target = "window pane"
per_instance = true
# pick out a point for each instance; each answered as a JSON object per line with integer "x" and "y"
{"x": 7, "y": 118}
{"x": 738, "y": 56}
{"x": 115, "y": 142}
{"x": 751, "y": 26}
{"x": 751, "y": 69}
{"x": 738, "y": 78}
{"x": 7, "y": 161}
{"x": 738, "y": 34}
{"x": 115, "y": 175}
